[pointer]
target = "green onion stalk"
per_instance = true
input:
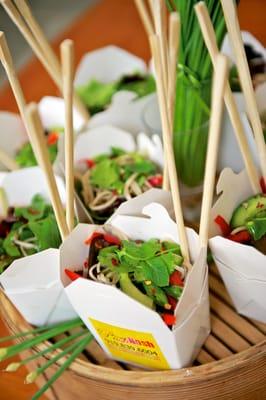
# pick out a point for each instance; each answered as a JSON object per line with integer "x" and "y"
{"x": 193, "y": 90}
{"x": 75, "y": 343}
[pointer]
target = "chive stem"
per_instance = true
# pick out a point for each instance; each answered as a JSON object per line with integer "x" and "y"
{"x": 63, "y": 367}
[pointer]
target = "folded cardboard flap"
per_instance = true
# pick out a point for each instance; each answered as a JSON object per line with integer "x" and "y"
{"x": 229, "y": 199}
{"x": 14, "y": 133}
{"x": 242, "y": 267}
{"x": 96, "y": 141}
{"x": 99, "y": 140}
{"x": 36, "y": 272}
{"x": 134, "y": 207}
{"x": 52, "y": 114}
{"x": 125, "y": 111}
{"x": 248, "y": 295}
{"x": 108, "y": 64}
{"x": 21, "y": 185}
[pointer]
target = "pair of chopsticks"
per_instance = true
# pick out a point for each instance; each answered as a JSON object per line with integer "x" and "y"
{"x": 20, "y": 13}
{"x": 167, "y": 30}
{"x": 31, "y": 119}
{"x": 211, "y": 44}
{"x": 221, "y": 72}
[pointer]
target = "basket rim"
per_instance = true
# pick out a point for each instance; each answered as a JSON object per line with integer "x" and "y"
{"x": 183, "y": 376}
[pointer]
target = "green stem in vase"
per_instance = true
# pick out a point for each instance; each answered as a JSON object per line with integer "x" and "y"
{"x": 193, "y": 90}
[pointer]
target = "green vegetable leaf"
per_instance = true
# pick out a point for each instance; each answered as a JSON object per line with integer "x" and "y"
{"x": 159, "y": 271}
{"x": 257, "y": 228}
{"x": 174, "y": 247}
{"x": 141, "y": 251}
{"x": 143, "y": 166}
{"x": 35, "y": 211}
{"x": 25, "y": 156}
{"x": 97, "y": 95}
{"x": 5, "y": 261}
{"x": 46, "y": 232}
{"x": 117, "y": 151}
{"x": 141, "y": 85}
{"x": 174, "y": 291}
{"x": 10, "y": 248}
{"x": 105, "y": 174}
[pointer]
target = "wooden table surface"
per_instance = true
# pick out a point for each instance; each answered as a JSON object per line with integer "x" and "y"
{"x": 108, "y": 22}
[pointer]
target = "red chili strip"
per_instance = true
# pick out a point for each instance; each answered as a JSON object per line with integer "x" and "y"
{"x": 72, "y": 275}
{"x": 52, "y": 138}
{"x": 93, "y": 236}
{"x": 224, "y": 226}
{"x": 172, "y": 302}
{"x": 169, "y": 319}
{"x": 175, "y": 279}
{"x": 240, "y": 237}
{"x": 263, "y": 184}
{"x": 111, "y": 239}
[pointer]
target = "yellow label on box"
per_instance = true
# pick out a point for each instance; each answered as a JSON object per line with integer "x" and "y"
{"x": 131, "y": 346}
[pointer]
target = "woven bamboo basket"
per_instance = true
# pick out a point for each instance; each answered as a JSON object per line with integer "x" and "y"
{"x": 231, "y": 364}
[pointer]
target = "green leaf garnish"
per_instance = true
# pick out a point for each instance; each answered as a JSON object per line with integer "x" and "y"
{"x": 105, "y": 174}
{"x": 46, "y": 233}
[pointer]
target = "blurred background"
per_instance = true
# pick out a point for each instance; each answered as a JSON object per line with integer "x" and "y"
{"x": 53, "y": 15}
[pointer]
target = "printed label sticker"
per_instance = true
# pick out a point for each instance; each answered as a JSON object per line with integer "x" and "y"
{"x": 131, "y": 346}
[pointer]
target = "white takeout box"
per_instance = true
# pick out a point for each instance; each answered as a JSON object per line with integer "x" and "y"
{"x": 242, "y": 267}
{"x": 230, "y": 154}
{"x": 108, "y": 64}
{"x": 33, "y": 283}
{"x": 96, "y": 141}
{"x": 127, "y": 330}
{"x": 126, "y": 111}
{"x": 13, "y": 134}
{"x": 51, "y": 110}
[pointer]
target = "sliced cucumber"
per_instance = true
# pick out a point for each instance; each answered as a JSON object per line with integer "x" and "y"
{"x": 251, "y": 208}
{"x": 131, "y": 290}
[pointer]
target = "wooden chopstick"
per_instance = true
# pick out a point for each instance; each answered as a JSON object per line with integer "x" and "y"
{"x": 40, "y": 149}
{"x": 67, "y": 60}
{"x": 218, "y": 87}
{"x": 25, "y": 12}
{"x": 145, "y": 17}
{"x": 35, "y": 133}
{"x": 173, "y": 46}
{"x": 234, "y": 33}
{"x": 167, "y": 139}
{"x": 211, "y": 44}
{"x": 28, "y": 34}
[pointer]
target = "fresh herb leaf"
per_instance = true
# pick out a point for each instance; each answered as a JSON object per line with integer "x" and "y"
{"x": 97, "y": 95}
{"x": 35, "y": 211}
{"x": 141, "y": 85}
{"x": 105, "y": 174}
{"x": 10, "y": 248}
{"x": 159, "y": 271}
{"x": 141, "y": 251}
{"x": 46, "y": 233}
{"x": 174, "y": 291}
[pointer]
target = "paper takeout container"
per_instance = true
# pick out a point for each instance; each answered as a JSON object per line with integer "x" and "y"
{"x": 230, "y": 154}
{"x": 33, "y": 283}
{"x": 96, "y": 141}
{"x": 125, "y": 329}
{"x": 242, "y": 267}
{"x": 107, "y": 65}
{"x": 13, "y": 134}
